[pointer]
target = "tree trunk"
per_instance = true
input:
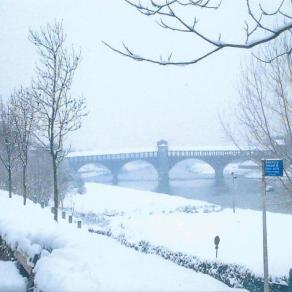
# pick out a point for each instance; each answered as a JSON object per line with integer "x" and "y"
{"x": 10, "y": 182}
{"x": 24, "y": 189}
{"x": 56, "y": 195}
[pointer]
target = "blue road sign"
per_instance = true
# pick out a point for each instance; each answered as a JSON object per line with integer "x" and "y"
{"x": 273, "y": 167}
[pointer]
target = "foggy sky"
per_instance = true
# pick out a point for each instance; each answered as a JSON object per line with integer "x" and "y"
{"x": 131, "y": 104}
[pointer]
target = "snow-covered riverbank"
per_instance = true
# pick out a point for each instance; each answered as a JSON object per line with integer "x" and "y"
{"x": 188, "y": 226}
{"x": 74, "y": 260}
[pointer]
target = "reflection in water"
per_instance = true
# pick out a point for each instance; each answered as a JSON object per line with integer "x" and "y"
{"x": 246, "y": 192}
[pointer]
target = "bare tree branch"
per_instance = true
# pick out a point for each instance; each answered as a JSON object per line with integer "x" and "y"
{"x": 265, "y": 107}
{"x": 168, "y": 10}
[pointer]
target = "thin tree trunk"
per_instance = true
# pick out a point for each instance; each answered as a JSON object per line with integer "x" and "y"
{"x": 24, "y": 189}
{"x": 10, "y": 182}
{"x": 56, "y": 195}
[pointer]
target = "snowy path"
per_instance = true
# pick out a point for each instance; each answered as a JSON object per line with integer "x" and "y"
{"x": 74, "y": 260}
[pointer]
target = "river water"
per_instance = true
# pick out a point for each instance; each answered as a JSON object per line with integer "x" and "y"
{"x": 243, "y": 192}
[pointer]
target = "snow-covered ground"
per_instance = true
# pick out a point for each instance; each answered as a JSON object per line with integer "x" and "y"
{"x": 10, "y": 279}
{"x": 110, "y": 200}
{"x": 75, "y": 260}
{"x": 189, "y": 226}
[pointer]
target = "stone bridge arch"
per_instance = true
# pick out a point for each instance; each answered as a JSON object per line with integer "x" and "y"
{"x": 217, "y": 163}
{"x": 93, "y": 166}
{"x": 114, "y": 166}
{"x": 151, "y": 163}
{"x": 173, "y": 163}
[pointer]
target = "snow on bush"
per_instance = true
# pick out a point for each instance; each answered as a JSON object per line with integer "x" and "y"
{"x": 10, "y": 279}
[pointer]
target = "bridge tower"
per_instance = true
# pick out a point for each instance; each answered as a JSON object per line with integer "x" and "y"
{"x": 163, "y": 165}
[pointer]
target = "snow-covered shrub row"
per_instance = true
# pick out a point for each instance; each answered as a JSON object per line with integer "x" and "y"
{"x": 195, "y": 209}
{"x": 230, "y": 274}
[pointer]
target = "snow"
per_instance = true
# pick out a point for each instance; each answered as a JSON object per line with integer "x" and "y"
{"x": 241, "y": 236}
{"x": 75, "y": 260}
{"x": 189, "y": 226}
{"x": 122, "y": 269}
{"x": 107, "y": 199}
{"x": 10, "y": 279}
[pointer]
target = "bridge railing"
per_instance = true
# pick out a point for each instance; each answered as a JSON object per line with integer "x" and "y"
{"x": 116, "y": 156}
{"x": 204, "y": 153}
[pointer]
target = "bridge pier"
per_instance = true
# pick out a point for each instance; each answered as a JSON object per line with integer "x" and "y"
{"x": 163, "y": 166}
{"x": 115, "y": 179}
{"x": 115, "y": 170}
{"x": 219, "y": 176}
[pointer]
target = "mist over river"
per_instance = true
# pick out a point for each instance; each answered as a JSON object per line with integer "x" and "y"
{"x": 195, "y": 180}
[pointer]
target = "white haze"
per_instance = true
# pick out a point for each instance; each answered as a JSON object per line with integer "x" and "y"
{"x": 131, "y": 104}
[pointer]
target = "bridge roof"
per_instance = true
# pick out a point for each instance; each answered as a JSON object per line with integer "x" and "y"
{"x": 139, "y": 150}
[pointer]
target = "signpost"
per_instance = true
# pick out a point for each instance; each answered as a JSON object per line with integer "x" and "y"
{"x": 216, "y": 242}
{"x": 233, "y": 191}
{"x": 274, "y": 168}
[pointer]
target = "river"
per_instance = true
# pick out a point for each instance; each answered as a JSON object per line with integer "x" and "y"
{"x": 196, "y": 181}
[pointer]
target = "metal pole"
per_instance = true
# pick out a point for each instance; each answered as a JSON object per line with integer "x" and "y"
{"x": 265, "y": 244}
{"x": 233, "y": 193}
{"x": 290, "y": 281}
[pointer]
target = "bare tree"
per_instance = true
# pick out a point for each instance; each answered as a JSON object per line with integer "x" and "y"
{"x": 40, "y": 176}
{"x": 58, "y": 112}
{"x": 23, "y": 113}
{"x": 265, "y": 108}
{"x": 8, "y": 152}
{"x": 259, "y": 28}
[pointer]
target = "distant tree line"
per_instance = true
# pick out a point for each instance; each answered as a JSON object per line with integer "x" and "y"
{"x": 35, "y": 121}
